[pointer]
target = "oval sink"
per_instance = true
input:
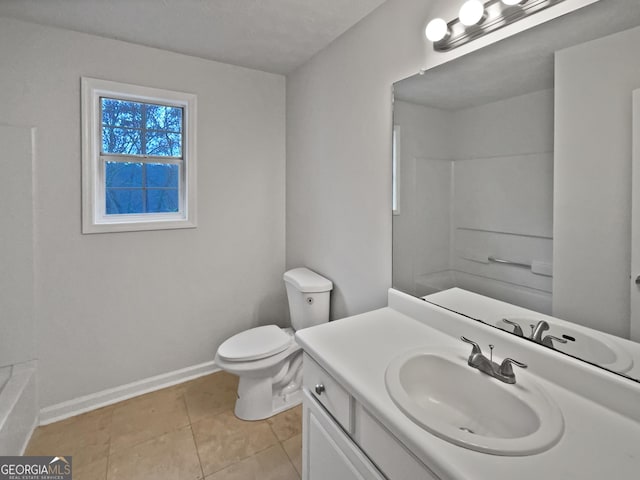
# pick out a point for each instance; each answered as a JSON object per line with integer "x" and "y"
{"x": 594, "y": 348}
{"x": 441, "y": 393}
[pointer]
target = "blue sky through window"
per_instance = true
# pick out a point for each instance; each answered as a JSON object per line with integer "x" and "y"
{"x": 134, "y": 128}
{"x": 136, "y": 187}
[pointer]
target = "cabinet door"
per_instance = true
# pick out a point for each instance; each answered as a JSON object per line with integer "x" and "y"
{"x": 328, "y": 452}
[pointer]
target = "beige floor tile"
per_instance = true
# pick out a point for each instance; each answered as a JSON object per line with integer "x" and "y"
{"x": 287, "y": 424}
{"x": 223, "y": 440}
{"x": 171, "y": 456}
{"x": 293, "y": 447}
{"x": 84, "y": 437}
{"x": 92, "y": 471}
{"x": 270, "y": 464}
{"x": 146, "y": 417}
{"x": 210, "y": 395}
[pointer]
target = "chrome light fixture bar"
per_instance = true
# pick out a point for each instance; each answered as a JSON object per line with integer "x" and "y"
{"x": 477, "y": 19}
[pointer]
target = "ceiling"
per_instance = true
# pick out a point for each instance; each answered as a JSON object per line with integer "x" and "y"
{"x": 271, "y": 35}
{"x": 521, "y": 64}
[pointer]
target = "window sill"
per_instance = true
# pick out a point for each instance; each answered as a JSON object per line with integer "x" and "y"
{"x": 136, "y": 226}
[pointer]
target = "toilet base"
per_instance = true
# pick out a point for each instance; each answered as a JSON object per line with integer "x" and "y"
{"x": 285, "y": 402}
{"x": 256, "y": 400}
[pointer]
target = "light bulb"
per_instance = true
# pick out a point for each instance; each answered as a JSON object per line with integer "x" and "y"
{"x": 436, "y": 30}
{"x": 471, "y": 12}
{"x": 512, "y": 2}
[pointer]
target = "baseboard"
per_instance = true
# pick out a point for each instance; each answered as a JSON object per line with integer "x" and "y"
{"x": 76, "y": 406}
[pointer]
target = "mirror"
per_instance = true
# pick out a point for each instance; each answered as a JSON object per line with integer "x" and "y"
{"x": 512, "y": 180}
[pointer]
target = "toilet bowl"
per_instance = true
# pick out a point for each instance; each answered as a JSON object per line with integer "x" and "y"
{"x": 267, "y": 359}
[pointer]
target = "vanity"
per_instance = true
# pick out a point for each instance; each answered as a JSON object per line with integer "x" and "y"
{"x": 353, "y": 428}
{"x": 516, "y": 226}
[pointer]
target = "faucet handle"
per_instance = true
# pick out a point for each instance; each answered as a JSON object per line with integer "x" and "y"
{"x": 476, "y": 347}
{"x": 506, "y": 369}
{"x": 517, "y": 329}
{"x": 549, "y": 339}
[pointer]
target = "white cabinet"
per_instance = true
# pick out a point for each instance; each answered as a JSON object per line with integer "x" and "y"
{"x": 329, "y": 393}
{"x": 342, "y": 441}
{"x": 391, "y": 457}
{"x": 328, "y": 453}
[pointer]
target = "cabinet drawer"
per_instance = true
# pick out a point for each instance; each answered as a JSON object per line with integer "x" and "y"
{"x": 328, "y": 392}
{"x": 390, "y": 456}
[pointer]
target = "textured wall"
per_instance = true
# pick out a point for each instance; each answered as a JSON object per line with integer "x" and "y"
{"x": 116, "y": 308}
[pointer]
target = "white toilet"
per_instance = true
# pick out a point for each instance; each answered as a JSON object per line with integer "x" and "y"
{"x": 267, "y": 359}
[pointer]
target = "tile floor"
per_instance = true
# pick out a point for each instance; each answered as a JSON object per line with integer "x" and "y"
{"x": 183, "y": 432}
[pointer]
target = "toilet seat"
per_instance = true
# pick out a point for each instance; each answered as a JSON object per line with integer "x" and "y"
{"x": 254, "y": 344}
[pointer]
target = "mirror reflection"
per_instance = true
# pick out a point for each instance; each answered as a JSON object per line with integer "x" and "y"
{"x": 513, "y": 185}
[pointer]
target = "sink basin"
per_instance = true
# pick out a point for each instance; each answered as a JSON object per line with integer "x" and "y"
{"x": 442, "y": 394}
{"x": 592, "y": 347}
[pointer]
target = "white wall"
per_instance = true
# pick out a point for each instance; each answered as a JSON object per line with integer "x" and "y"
{"x": 592, "y": 228}
{"x": 513, "y": 126}
{"x": 339, "y": 145}
{"x": 339, "y": 149}
{"x": 17, "y": 342}
{"x": 115, "y": 308}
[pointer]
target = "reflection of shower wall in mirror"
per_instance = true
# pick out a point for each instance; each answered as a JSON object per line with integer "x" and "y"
{"x": 424, "y": 151}
{"x": 485, "y": 190}
{"x": 594, "y": 84}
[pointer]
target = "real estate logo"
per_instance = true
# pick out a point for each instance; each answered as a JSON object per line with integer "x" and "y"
{"x": 35, "y": 468}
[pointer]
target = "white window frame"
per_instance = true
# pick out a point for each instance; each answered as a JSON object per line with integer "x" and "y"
{"x": 94, "y": 217}
{"x": 395, "y": 170}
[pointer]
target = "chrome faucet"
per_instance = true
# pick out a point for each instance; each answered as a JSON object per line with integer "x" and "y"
{"x": 503, "y": 372}
{"x": 547, "y": 340}
{"x": 538, "y": 330}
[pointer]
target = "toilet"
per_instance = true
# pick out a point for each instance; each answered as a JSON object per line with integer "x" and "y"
{"x": 267, "y": 359}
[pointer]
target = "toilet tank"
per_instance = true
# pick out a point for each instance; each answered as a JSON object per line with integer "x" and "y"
{"x": 308, "y": 295}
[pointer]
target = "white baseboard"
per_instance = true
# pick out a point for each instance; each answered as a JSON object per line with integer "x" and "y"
{"x": 76, "y": 406}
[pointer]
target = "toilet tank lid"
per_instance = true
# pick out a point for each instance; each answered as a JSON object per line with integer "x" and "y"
{"x": 307, "y": 281}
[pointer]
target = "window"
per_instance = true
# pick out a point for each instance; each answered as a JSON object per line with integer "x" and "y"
{"x": 395, "y": 170}
{"x": 139, "y": 158}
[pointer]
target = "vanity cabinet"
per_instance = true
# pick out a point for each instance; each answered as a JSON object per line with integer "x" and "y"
{"x": 354, "y": 429}
{"x": 328, "y": 452}
{"x": 343, "y": 441}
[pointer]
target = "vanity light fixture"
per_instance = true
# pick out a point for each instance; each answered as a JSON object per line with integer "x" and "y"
{"x": 471, "y": 13}
{"x": 476, "y": 19}
{"x": 437, "y": 29}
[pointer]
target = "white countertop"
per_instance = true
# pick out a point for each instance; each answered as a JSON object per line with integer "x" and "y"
{"x": 597, "y": 444}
